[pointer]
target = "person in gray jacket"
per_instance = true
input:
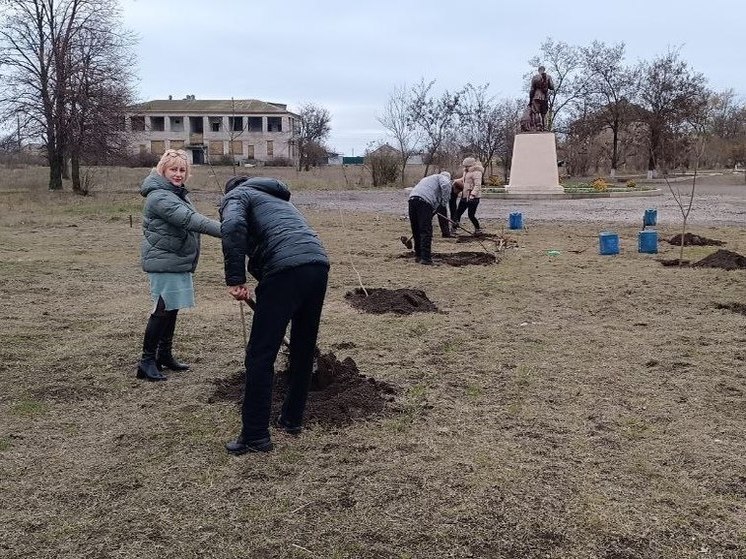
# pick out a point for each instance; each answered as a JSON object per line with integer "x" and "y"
{"x": 291, "y": 267}
{"x": 427, "y": 197}
{"x": 169, "y": 252}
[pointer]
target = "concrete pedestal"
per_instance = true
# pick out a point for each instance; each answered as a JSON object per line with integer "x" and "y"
{"x": 534, "y": 167}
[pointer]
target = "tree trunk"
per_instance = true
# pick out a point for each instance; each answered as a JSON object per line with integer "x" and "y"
{"x": 614, "y": 150}
{"x": 75, "y": 174}
{"x": 56, "y": 163}
{"x": 683, "y": 232}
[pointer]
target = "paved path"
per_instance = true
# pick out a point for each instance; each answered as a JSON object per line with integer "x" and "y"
{"x": 713, "y": 205}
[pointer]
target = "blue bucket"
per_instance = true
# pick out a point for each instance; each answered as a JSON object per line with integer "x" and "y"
{"x": 608, "y": 243}
{"x": 515, "y": 221}
{"x": 647, "y": 241}
{"x": 650, "y": 218}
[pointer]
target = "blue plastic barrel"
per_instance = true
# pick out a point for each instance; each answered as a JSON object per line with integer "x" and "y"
{"x": 647, "y": 241}
{"x": 650, "y": 217}
{"x": 515, "y": 221}
{"x": 608, "y": 243}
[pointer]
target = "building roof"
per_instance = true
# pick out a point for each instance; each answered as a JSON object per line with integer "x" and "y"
{"x": 224, "y": 106}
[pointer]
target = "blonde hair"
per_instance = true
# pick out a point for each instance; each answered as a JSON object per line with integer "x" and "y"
{"x": 173, "y": 157}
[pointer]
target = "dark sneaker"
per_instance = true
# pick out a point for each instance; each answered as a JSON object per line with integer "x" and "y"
{"x": 417, "y": 259}
{"x": 240, "y": 446}
{"x": 427, "y": 262}
{"x": 283, "y": 425}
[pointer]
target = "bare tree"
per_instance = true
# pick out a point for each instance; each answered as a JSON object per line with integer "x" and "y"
{"x": 482, "y": 123}
{"x": 609, "y": 88}
{"x": 508, "y": 113}
{"x": 396, "y": 119}
{"x": 727, "y": 131}
{"x": 40, "y": 65}
{"x": 100, "y": 90}
{"x": 314, "y": 128}
{"x": 685, "y": 206}
{"x": 434, "y": 117}
{"x": 670, "y": 95}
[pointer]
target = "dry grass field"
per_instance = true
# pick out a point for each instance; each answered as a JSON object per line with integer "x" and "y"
{"x": 560, "y": 407}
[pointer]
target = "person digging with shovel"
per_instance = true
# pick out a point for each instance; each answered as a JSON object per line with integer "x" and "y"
{"x": 291, "y": 266}
{"x": 428, "y": 195}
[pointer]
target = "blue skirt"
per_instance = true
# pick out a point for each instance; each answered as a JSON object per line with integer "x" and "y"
{"x": 176, "y": 290}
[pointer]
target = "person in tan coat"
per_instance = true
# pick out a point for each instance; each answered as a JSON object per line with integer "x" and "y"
{"x": 472, "y": 191}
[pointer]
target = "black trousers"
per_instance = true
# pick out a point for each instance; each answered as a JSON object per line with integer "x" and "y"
{"x": 293, "y": 296}
{"x": 470, "y": 207}
{"x": 421, "y": 221}
{"x": 445, "y": 225}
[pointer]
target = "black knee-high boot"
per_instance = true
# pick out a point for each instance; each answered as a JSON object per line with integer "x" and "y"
{"x": 147, "y": 368}
{"x": 164, "y": 357}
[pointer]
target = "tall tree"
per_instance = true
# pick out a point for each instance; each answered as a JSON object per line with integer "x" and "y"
{"x": 435, "y": 117}
{"x": 609, "y": 88}
{"x": 41, "y": 46}
{"x": 314, "y": 127}
{"x": 396, "y": 119}
{"x": 671, "y": 96}
{"x": 100, "y": 90}
{"x": 479, "y": 123}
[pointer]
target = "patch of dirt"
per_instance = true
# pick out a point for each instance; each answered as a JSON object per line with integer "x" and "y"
{"x": 674, "y": 262}
{"x": 735, "y": 307}
{"x": 458, "y": 259}
{"x": 725, "y": 259}
{"x": 694, "y": 240}
{"x": 499, "y": 240}
{"x": 339, "y": 394}
{"x": 399, "y": 301}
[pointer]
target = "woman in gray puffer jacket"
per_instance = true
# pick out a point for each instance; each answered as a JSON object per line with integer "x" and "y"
{"x": 169, "y": 251}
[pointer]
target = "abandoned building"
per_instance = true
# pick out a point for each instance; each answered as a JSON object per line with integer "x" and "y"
{"x": 243, "y": 130}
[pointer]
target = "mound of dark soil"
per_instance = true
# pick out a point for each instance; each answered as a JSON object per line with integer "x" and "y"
{"x": 468, "y": 259}
{"x": 339, "y": 393}
{"x": 398, "y": 301}
{"x": 725, "y": 259}
{"x": 694, "y": 240}
{"x": 735, "y": 307}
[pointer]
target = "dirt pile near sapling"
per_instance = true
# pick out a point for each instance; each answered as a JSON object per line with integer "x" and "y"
{"x": 725, "y": 259}
{"x": 339, "y": 394}
{"x": 691, "y": 239}
{"x": 398, "y": 301}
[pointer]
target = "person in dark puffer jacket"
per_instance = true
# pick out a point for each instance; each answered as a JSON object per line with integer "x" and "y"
{"x": 169, "y": 252}
{"x": 291, "y": 266}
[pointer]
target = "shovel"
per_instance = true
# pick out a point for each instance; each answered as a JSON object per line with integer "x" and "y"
{"x": 252, "y": 305}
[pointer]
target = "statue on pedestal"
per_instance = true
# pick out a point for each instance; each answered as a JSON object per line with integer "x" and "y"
{"x": 538, "y": 96}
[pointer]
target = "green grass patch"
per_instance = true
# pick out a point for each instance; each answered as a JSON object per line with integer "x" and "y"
{"x": 28, "y": 408}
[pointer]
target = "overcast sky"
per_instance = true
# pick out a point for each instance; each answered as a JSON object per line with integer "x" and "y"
{"x": 349, "y": 56}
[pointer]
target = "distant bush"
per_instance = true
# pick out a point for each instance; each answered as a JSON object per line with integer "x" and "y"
{"x": 384, "y": 168}
{"x": 631, "y": 184}
{"x": 495, "y": 180}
